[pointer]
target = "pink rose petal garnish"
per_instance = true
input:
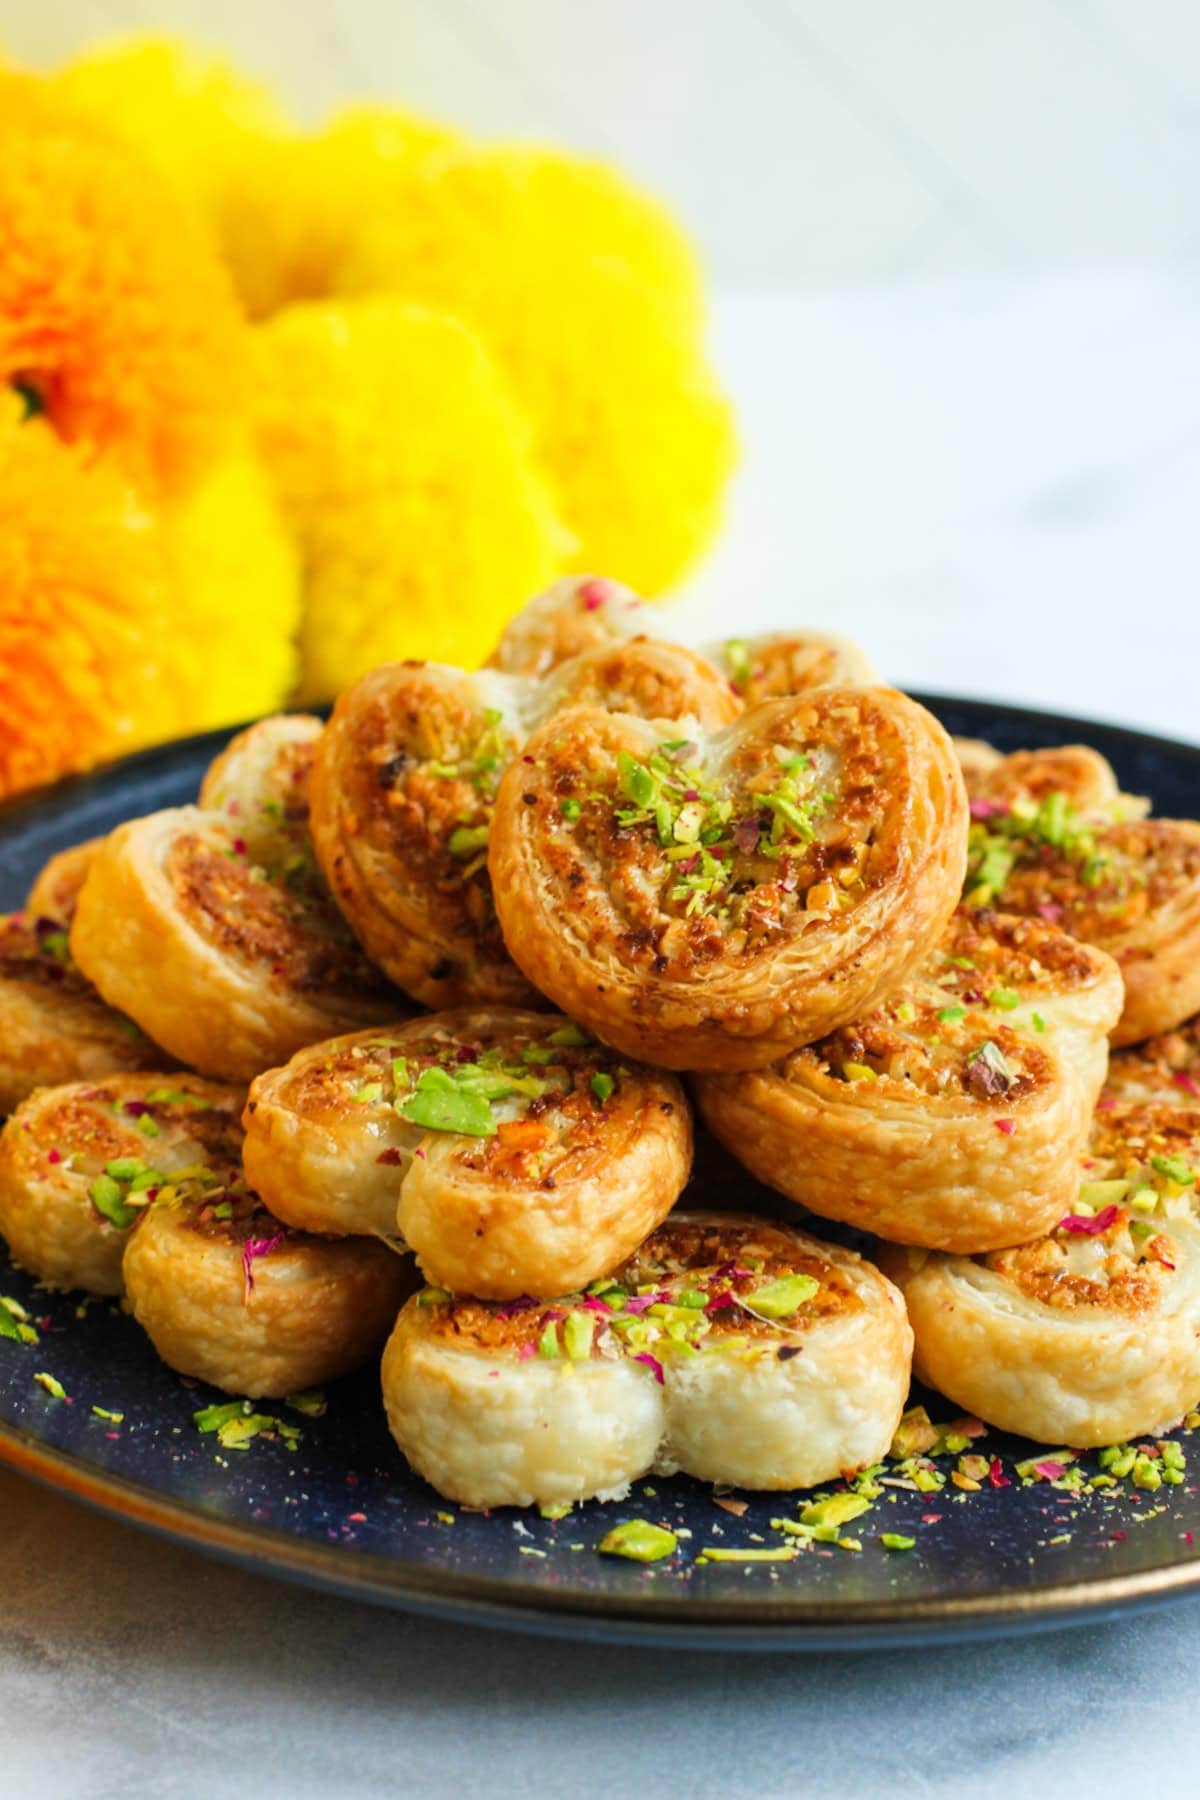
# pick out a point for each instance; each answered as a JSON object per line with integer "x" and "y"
{"x": 1090, "y": 1225}
{"x": 653, "y": 1364}
{"x": 252, "y": 1249}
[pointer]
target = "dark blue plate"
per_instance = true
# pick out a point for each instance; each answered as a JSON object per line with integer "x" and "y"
{"x": 341, "y": 1511}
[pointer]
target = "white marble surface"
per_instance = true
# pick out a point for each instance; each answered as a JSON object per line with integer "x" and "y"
{"x": 131, "y": 1668}
{"x": 993, "y": 484}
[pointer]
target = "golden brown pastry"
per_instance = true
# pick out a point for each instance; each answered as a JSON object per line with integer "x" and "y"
{"x": 779, "y": 663}
{"x": 54, "y": 1026}
{"x": 582, "y": 612}
{"x": 926, "y": 1124}
{"x": 1163, "y": 1068}
{"x": 1027, "y": 778}
{"x": 1091, "y": 1334}
{"x": 56, "y": 888}
{"x": 229, "y": 1295}
{"x": 260, "y": 783}
{"x": 513, "y": 1153}
{"x": 1131, "y": 888}
{"x": 736, "y": 1350}
{"x": 78, "y": 1165}
{"x": 1033, "y": 977}
{"x": 578, "y": 613}
{"x": 710, "y": 903}
{"x": 403, "y": 787}
{"x": 228, "y": 964}
{"x": 976, "y": 759}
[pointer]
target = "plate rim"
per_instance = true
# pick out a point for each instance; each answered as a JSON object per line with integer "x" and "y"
{"x": 666, "y": 1618}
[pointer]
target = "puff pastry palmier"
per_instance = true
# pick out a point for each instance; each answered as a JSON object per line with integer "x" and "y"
{"x": 260, "y": 782}
{"x": 230, "y": 965}
{"x": 56, "y": 886}
{"x": 1091, "y": 1334}
{"x": 513, "y": 1153}
{"x": 54, "y": 1026}
{"x": 1026, "y": 778}
{"x": 976, "y": 759}
{"x": 577, "y": 613}
{"x": 926, "y": 1124}
{"x": 779, "y": 663}
{"x": 1166, "y": 1067}
{"x": 403, "y": 788}
{"x": 229, "y": 1295}
{"x": 582, "y": 612}
{"x": 1131, "y": 888}
{"x": 710, "y": 904}
{"x": 736, "y": 1350}
{"x": 1034, "y": 977}
{"x": 79, "y": 1163}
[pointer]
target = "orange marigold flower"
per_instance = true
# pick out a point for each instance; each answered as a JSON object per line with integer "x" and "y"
{"x": 116, "y": 318}
{"x": 81, "y": 571}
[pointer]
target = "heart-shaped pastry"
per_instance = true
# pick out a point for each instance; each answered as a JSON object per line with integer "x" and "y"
{"x": 582, "y": 612}
{"x": 1079, "y": 776}
{"x": 511, "y": 1152}
{"x": 1091, "y": 1334}
{"x": 56, "y": 885}
{"x": 229, "y": 1295}
{"x": 1131, "y": 888}
{"x": 1166, "y": 1067}
{"x": 259, "y": 782}
{"x": 403, "y": 787}
{"x": 712, "y": 902}
{"x": 54, "y": 1026}
{"x": 230, "y": 963}
{"x": 734, "y": 1349}
{"x": 954, "y": 1114}
{"x": 80, "y": 1163}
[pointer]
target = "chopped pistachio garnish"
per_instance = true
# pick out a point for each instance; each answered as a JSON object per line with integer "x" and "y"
{"x": 440, "y": 1103}
{"x": 602, "y": 1086}
{"x": 52, "y": 1385}
{"x": 14, "y": 1322}
{"x": 893, "y": 1540}
{"x": 1174, "y": 1168}
{"x": 312, "y": 1403}
{"x": 835, "y": 1509}
{"x": 781, "y": 1298}
{"x": 784, "y": 1554}
{"x": 113, "y": 1418}
{"x": 639, "y": 1540}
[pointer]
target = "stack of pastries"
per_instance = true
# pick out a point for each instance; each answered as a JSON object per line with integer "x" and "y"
{"x": 395, "y": 1040}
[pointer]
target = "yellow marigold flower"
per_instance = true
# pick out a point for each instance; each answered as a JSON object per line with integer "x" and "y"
{"x": 284, "y": 206}
{"x": 235, "y": 583}
{"x": 83, "y": 585}
{"x": 116, "y": 318}
{"x": 290, "y": 214}
{"x": 403, "y": 468}
{"x": 190, "y": 114}
{"x": 119, "y": 627}
{"x": 589, "y": 299}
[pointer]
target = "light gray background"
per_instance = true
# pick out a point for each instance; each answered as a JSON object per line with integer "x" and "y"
{"x": 955, "y": 252}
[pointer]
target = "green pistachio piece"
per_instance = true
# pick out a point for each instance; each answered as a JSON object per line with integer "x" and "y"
{"x": 639, "y": 1540}
{"x": 441, "y": 1104}
{"x": 781, "y": 1298}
